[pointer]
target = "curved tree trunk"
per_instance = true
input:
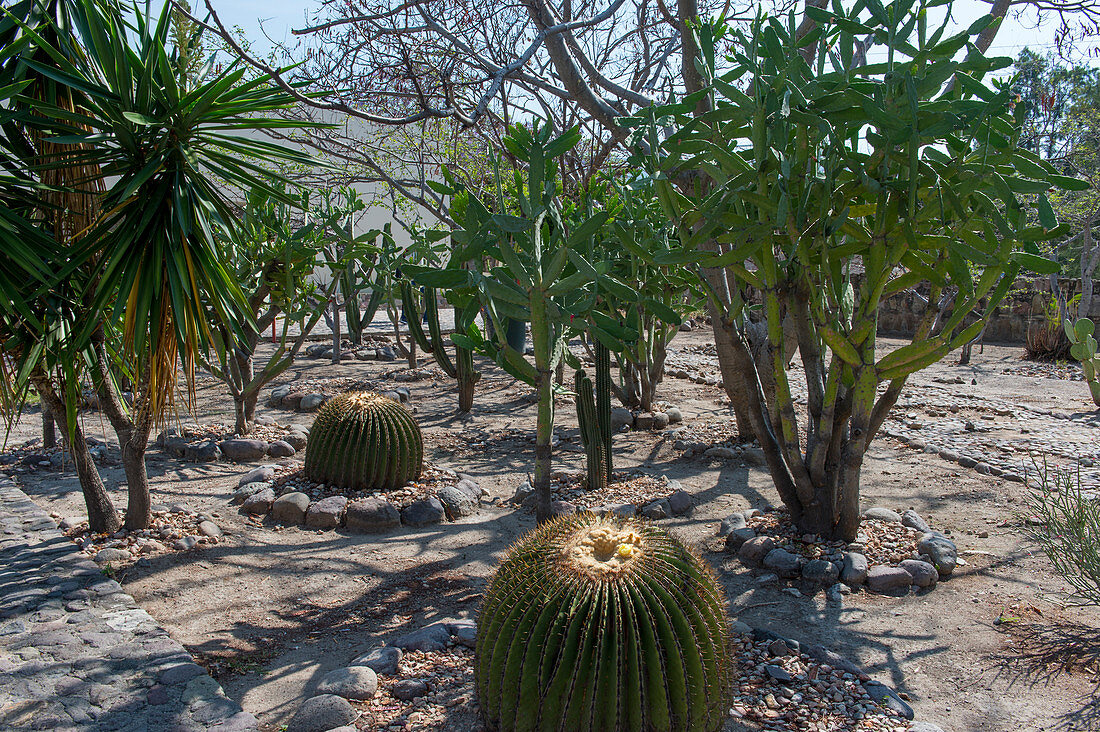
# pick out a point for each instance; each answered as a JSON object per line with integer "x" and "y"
{"x": 102, "y": 516}
{"x": 133, "y": 435}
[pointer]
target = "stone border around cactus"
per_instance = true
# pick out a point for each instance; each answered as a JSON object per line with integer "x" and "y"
{"x": 935, "y": 559}
{"x": 678, "y": 502}
{"x": 440, "y": 636}
{"x": 236, "y": 449}
{"x": 258, "y": 496}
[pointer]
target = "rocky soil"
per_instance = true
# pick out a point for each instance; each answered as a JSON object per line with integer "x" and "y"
{"x": 272, "y": 609}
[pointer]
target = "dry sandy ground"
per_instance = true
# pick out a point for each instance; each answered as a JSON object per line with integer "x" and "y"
{"x": 270, "y": 611}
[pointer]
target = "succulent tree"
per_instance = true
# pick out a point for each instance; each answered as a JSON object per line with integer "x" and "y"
{"x": 539, "y": 276}
{"x": 823, "y": 186}
{"x": 603, "y": 623}
{"x": 274, "y": 256}
{"x": 646, "y": 289}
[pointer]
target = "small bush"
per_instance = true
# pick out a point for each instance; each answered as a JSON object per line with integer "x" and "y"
{"x": 1046, "y": 340}
{"x": 1065, "y": 521}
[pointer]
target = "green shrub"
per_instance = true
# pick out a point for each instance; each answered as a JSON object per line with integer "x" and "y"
{"x": 1065, "y": 521}
{"x": 603, "y": 623}
{"x": 364, "y": 440}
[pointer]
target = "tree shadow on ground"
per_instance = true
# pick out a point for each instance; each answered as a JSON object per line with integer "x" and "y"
{"x": 1042, "y": 651}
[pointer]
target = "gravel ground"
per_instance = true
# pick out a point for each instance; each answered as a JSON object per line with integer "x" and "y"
{"x": 270, "y": 610}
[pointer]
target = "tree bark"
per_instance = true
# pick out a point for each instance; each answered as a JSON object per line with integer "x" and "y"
{"x": 49, "y": 432}
{"x": 102, "y": 516}
{"x": 133, "y": 435}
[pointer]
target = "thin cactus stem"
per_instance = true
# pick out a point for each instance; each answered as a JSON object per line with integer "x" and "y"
{"x": 590, "y": 433}
{"x": 438, "y": 349}
{"x": 412, "y": 315}
{"x": 603, "y": 402}
{"x": 467, "y": 378}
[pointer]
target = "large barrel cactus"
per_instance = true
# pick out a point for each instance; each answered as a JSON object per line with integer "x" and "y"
{"x": 364, "y": 440}
{"x": 603, "y": 623}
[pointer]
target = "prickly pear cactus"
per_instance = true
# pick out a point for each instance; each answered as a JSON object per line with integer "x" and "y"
{"x": 603, "y": 623}
{"x": 364, "y": 440}
{"x": 1081, "y": 335}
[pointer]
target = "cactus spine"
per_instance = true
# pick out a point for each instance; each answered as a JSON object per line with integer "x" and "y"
{"x": 603, "y": 401}
{"x": 598, "y": 475}
{"x": 603, "y": 623}
{"x": 1083, "y": 348}
{"x": 364, "y": 440}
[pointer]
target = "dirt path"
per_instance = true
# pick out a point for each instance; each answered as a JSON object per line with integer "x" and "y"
{"x": 270, "y": 611}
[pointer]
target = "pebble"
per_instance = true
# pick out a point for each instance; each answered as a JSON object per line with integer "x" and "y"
{"x": 407, "y": 689}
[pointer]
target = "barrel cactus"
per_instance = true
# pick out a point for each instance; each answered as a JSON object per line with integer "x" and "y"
{"x": 600, "y": 622}
{"x": 364, "y": 440}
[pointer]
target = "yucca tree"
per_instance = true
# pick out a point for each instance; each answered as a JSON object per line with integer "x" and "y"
{"x": 157, "y": 154}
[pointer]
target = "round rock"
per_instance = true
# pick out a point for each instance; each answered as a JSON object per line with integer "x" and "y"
{"x": 888, "y": 580}
{"x": 783, "y": 563}
{"x": 853, "y": 570}
{"x": 408, "y": 689}
{"x": 942, "y": 551}
{"x": 112, "y": 555}
{"x": 621, "y": 417}
{"x": 327, "y": 513}
{"x": 384, "y": 660}
{"x": 913, "y": 520}
{"x": 821, "y": 572}
{"x": 458, "y": 500}
{"x": 736, "y": 538}
{"x": 311, "y": 402}
{"x": 371, "y": 515}
{"x": 681, "y": 502}
{"x": 209, "y": 528}
{"x": 243, "y": 450}
{"x": 882, "y": 514}
{"x": 424, "y": 512}
{"x": 322, "y": 713}
{"x": 264, "y": 474}
{"x": 296, "y": 440}
{"x": 281, "y": 449}
{"x": 731, "y": 523}
{"x": 260, "y": 502}
{"x": 753, "y": 551}
{"x": 924, "y": 574}
{"x": 353, "y": 682}
{"x": 290, "y": 508}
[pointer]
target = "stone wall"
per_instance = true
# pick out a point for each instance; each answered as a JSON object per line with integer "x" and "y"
{"x": 1023, "y": 306}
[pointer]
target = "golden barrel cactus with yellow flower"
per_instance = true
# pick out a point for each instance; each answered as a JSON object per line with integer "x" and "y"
{"x": 600, "y": 622}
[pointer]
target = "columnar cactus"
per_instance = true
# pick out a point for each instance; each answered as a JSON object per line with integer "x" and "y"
{"x": 603, "y": 401}
{"x": 364, "y": 440}
{"x": 1084, "y": 350}
{"x": 598, "y": 474}
{"x": 603, "y": 623}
